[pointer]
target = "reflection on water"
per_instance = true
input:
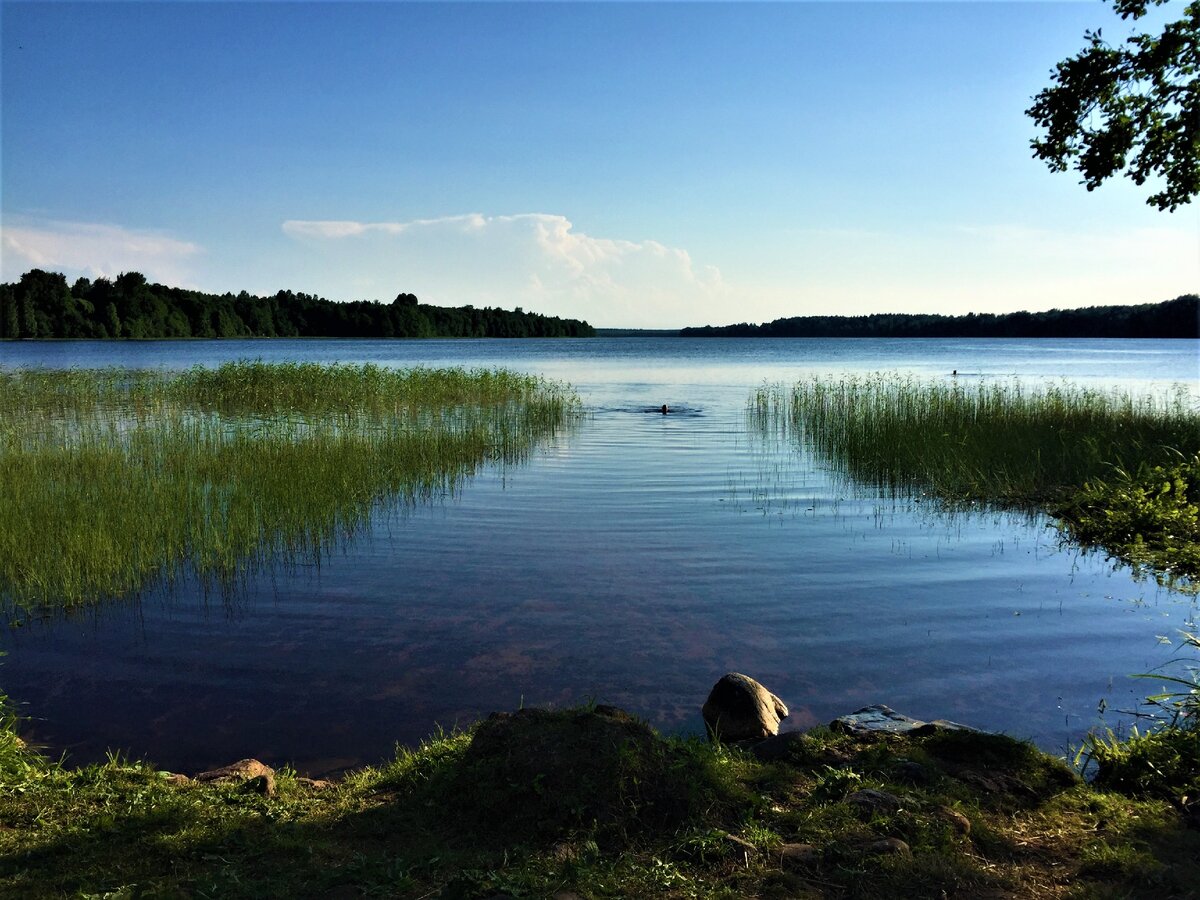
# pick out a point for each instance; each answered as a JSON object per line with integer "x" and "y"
{"x": 633, "y": 562}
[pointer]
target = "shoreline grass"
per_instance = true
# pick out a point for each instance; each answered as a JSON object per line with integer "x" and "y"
{"x": 616, "y": 811}
{"x": 115, "y": 481}
{"x": 1096, "y": 459}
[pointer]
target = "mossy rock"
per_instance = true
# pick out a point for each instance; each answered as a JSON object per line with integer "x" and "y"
{"x": 545, "y": 774}
{"x": 998, "y": 765}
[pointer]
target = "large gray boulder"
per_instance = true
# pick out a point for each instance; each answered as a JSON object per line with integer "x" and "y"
{"x": 738, "y": 708}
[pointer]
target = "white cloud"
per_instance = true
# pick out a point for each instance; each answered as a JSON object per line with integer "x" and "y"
{"x": 93, "y": 250}
{"x": 536, "y": 260}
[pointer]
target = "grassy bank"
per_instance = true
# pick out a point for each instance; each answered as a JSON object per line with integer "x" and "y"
{"x": 114, "y": 480}
{"x": 1122, "y": 472}
{"x": 593, "y": 802}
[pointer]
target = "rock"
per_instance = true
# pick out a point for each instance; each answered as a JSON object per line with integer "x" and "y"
{"x": 887, "y": 847}
{"x": 251, "y": 773}
{"x": 314, "y": 784}
{"x": 777, "y": 747}
{"x": 738, "y": 708}
{"x": 176, "y": 778}
{"x": 549, "y": 775}
{"x": 873, "y": 801}
{"x": 799, "y": 856}
{"x": 954, "y": 819}
{"x": 880, "y": 719}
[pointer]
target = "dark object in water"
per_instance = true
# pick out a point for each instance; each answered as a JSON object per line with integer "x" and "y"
{"x": 664, "y": 409}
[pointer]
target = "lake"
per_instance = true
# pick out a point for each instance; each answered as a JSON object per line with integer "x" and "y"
{"x": 632, "y": 561}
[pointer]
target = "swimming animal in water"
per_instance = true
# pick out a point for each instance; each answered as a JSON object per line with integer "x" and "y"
{"x": 664, "y": 409}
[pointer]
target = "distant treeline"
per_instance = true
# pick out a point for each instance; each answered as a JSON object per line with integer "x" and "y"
{"x": 42, "y": 305}
{"x": 1178, "y": 318}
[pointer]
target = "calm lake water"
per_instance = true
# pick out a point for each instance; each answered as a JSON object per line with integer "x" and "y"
{"x": 633, "y": 561}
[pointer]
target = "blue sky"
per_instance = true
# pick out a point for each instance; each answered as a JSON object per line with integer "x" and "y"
{"x": 648, "y": 165}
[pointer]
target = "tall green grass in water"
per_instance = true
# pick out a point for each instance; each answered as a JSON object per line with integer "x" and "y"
{"x": 1120, "y": 472}
{"x": 113, "y": 480}
{"x": 1002, "y": 442}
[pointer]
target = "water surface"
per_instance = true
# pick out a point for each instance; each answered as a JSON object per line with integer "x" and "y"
{"x": 632, "y": 562}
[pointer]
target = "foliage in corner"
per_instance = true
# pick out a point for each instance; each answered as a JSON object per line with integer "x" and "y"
{"x": 1133, "y": 108}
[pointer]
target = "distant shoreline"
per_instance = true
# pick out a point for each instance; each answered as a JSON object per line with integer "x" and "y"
{"x": 1178, "y": 318}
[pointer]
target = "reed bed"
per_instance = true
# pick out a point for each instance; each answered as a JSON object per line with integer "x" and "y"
{"x": 114, "y": 480}
{"x": 998, "y": 441}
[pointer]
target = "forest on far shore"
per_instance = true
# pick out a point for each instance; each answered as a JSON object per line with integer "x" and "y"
{"x": 43, "y": 305}
{"x": 1178, "y": 318}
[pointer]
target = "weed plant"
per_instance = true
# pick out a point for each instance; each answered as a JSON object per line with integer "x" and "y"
{"x": 1000, "y": 442}
{"x": 1120, "y": 471}
{"x": 1164, "y": 760}
{"x": 116, "y": 480}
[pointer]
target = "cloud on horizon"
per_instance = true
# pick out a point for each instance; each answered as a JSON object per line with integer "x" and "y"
{"x": 93, "y": 249}
{"x": 536, "y": 260}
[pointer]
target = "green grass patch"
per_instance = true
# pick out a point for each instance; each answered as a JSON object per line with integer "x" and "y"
{"x": 115, "y": 481}
{"x": 591, "y": 800}
{"x": 1121, "y": 471}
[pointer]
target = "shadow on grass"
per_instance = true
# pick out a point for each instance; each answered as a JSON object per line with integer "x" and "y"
{"x": 592, "y": 800}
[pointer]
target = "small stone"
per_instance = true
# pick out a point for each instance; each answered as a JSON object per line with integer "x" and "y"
{"x": 955, "y": 819}
{"x": 176, "y": 778}
{"x": 253, "y": 774}
{"x": 315, "y": 784}
{"x": 798, "y": 856}
{"x": 873, "y": 801}
{"x": 738, "y": 708}
{"x": 888, "y": 847}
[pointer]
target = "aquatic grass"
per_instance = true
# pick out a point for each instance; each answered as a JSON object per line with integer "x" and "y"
{"x": 1120, "y": 471}
{"x": 114, "y": 481}
{"x": 1003, "y": 442}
